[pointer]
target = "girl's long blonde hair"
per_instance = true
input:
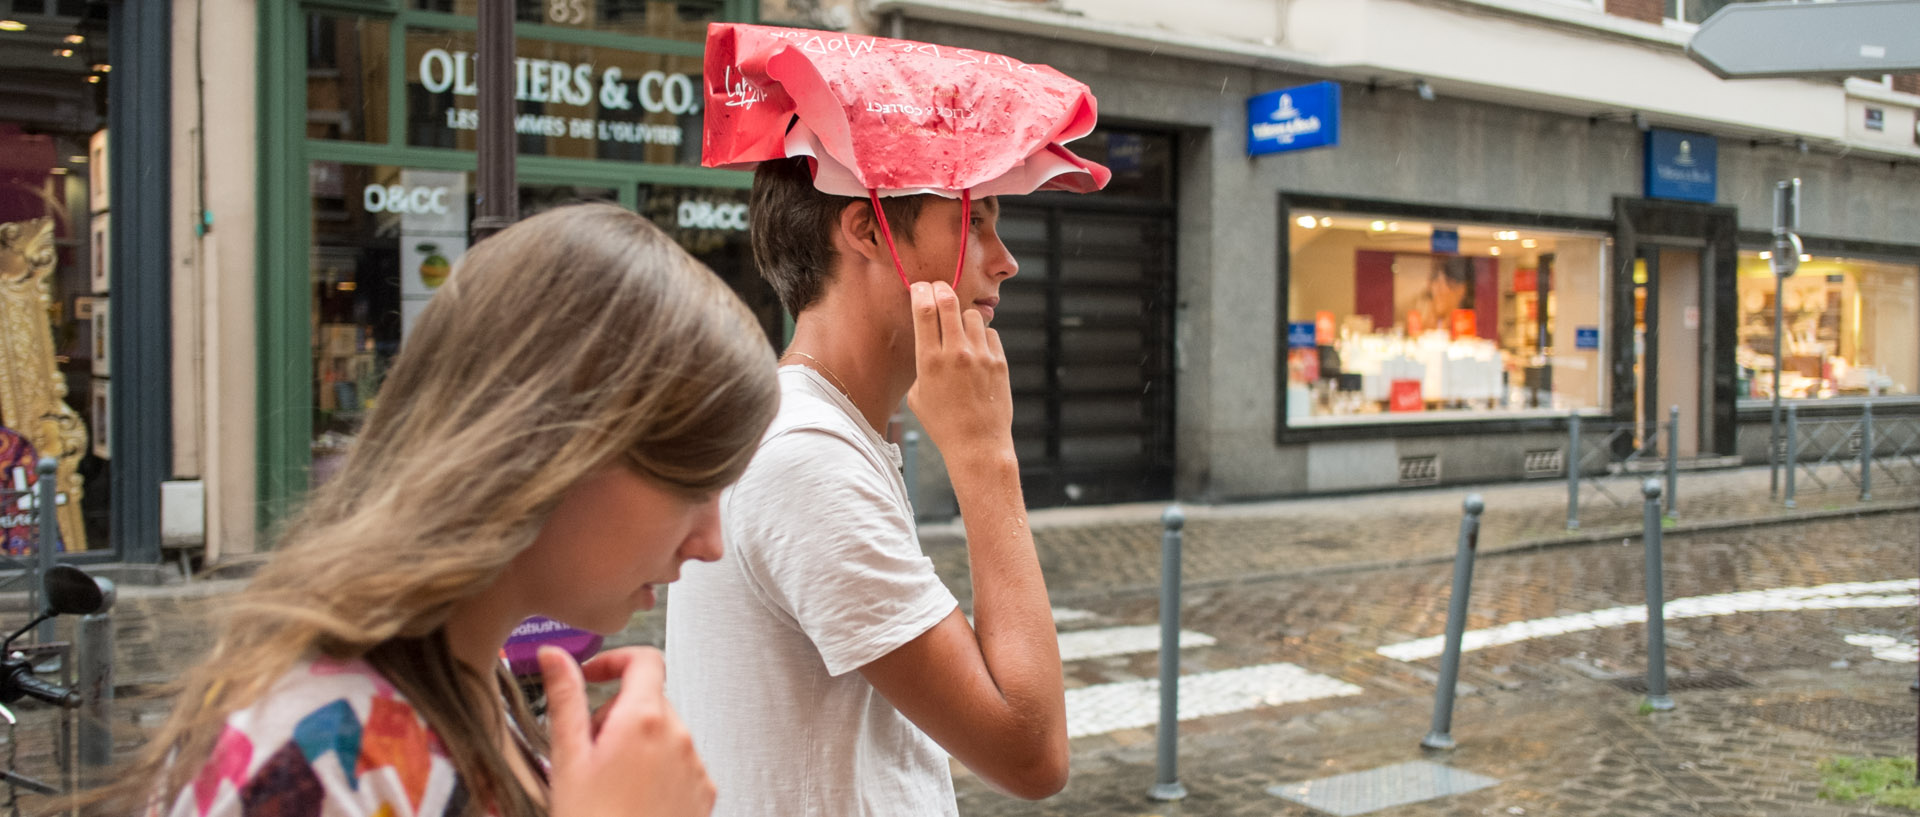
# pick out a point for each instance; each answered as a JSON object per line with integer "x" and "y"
{"x": 575, "y": 338}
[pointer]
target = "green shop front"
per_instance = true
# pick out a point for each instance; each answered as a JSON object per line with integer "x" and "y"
{"x": 367, "y": 179}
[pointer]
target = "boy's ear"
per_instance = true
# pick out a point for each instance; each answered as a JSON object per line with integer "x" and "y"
{"x": 860, "y": 231}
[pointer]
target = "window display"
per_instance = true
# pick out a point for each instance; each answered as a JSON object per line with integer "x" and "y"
{"x": 1852, "y": 328}
{"x": 1392, "y": 320}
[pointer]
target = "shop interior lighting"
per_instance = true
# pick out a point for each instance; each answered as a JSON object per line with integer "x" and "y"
{"x": 12, "y": 25}
{"x": 76, "y": 39}
{"x": 63, "y": 52}
{"x": 1393, "y": 226}
{"x": 79, "y": 160}
{"x": 95, "y": 79}
{"x": 101, "y": 67}
{"x": 1507, "y": 235}
{"x": 1804, "y": 258}
{"x": 1326, "y": 222}
{"x": 58, "y": 171}
{"x": 1378, "y": 226}
{"x": 1529, "y": 243}
{"x": 1493, "y": 250}
{"x": 1766, "y": 255}
{"x": 1308, "y": 222}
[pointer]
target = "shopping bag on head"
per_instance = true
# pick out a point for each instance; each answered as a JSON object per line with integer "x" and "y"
{"x": 879, "y": 117}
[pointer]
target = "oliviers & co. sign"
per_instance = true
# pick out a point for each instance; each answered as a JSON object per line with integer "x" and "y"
{"x": 442, "y": 71}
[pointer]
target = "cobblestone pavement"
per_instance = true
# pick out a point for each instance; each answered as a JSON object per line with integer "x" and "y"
{"x": 1548, "y": 717}
{"x": 1090, "y": 552}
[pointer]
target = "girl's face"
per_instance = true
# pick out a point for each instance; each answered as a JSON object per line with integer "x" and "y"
{"x": 614, "y": 539}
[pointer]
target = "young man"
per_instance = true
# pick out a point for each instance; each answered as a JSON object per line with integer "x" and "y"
{"x": 821, "y": 666}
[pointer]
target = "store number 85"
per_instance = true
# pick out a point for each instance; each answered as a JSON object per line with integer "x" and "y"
{"x": 568, "y": 12}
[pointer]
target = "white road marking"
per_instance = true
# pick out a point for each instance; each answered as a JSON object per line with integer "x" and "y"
{"x": 1887, "y": 648}
{"x": 1104, "y": 708}
{"x": 1840, "y": 596}
{"x": 1083, "y": 644}
{"x": 1068, "y": 615}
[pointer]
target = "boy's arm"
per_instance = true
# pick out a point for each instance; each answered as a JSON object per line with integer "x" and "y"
{"x": 991, "y": 694}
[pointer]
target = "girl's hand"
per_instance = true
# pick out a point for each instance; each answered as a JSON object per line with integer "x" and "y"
{"x": 634, "y": 756}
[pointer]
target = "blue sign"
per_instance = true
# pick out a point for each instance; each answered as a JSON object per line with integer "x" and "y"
{"x": 1124, "y": 151}
{"x": 1446, "y": 242}
{"x": 1586, "y": 337}
{"x": 1294, "y": 119}
{"x": 1683, "y": 166}
{"x": 1300, "y": 335}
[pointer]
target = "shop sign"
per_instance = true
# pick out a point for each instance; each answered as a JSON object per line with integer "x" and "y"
{"x": 557, "y": 82}
{"x": 1294, "y": 119}
{"x": 1586, "y": 337}
{"x": 1446, "y": 242}
{"x": 1301, "y": 335}
{"x": 707, "y": 215}
{"x": 1124, "y": 152}
{"x": 1877, "y": 119}
{"x": 1682, "y": 166}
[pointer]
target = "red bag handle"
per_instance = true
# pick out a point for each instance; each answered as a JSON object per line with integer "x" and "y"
{"x": 966, "y": 224}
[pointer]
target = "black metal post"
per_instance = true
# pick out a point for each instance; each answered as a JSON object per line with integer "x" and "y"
{"x": 47, "y": 504}
{"x": 1673, "y": 461}
{"x": 497, "y": 199}
{"x": 1656, "y": 604}
{"x": 1166, "y": 782}
{"x": 1441, "y": 735}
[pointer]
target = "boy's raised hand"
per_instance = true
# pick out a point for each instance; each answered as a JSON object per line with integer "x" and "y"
{"x": 633, "y": 757}
{"x": 961, "y": 393}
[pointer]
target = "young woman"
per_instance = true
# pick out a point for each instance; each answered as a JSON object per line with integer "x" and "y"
{"x": 551, "y": 441}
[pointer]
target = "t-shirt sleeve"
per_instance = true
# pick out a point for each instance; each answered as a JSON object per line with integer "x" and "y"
{"x": 834, "y": 548}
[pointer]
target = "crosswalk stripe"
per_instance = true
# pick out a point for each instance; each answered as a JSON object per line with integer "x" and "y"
{"x": 1069, "y": 615}
{"x": 1084, "y": 644}
{"x": 1103, "y": 708}
{"x": 1846, "y": 595}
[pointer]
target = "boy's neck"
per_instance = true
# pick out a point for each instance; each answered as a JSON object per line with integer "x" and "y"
{"x": 856, "y": 355}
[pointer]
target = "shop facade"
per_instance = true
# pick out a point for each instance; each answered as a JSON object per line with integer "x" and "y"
{"x": 83, "y": 135}
{"x": 368, "y": 117}
{"x": 1429, "y": 300}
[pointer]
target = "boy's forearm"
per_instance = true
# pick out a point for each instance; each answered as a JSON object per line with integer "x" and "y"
{"x": 1012, "y": 618}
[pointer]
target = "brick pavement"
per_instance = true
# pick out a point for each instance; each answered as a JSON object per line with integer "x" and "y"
{"x": 1548, "y": 716}
{"x": 1090, "y": 552}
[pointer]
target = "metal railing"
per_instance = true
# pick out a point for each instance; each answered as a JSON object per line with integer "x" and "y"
{"x": 1611, "y": 459}
{"x": 1837, "y": 451}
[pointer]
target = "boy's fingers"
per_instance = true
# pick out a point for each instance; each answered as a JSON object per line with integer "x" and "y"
{"x": 993, "y": 344}
{"x": 976, "y": 328}
{"x": 926, "y": 319}
{"x": 566, "y": 705}
{"x": 949, "y": 308}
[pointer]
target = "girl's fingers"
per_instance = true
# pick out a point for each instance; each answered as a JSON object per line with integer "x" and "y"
{"x": 567, "y": 718}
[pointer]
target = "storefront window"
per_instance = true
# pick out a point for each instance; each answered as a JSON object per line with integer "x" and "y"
{"x": 574, "y": 101}
{"x": 1852, "y": 328}
{"x": 385, "y": 238}
{"x": 347, "y": 78}
{"x": 1392, "y": 320}
{"x": 684, "y": 20}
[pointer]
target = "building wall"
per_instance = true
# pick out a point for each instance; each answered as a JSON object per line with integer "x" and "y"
{"x": 1394, "y": 147}
{"x": 214, "y": 340}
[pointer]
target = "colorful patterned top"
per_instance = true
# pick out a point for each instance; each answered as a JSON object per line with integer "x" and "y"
{"x": 332, "y": 739}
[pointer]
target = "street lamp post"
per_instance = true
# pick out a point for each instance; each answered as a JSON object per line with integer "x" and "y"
{"x": 497, "y": 199}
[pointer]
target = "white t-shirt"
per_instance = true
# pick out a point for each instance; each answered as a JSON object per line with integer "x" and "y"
{"x": 822, "y": 575}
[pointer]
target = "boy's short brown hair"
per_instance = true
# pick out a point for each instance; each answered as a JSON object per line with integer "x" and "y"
{"x": 792, "y": 226}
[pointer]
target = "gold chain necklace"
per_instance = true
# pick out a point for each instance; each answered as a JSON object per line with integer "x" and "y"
{"x": 831, "y": 377}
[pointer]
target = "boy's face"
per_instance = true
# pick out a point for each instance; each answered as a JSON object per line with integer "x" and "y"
{"x": 929, "y": 254}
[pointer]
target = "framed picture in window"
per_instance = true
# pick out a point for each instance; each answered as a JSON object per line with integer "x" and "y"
{"x": 101, "y": 419}
{"x": 99, "y": 254}
{"x": 97, "y": 172}
{"x": 102, "y": 350}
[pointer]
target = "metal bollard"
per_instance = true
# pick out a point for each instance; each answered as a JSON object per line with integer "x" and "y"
{"x": 1866, "y": 453}
{"x": 1793, "y": 449}
{"x": 1656, "y": 604}
{"x": 1441, "y": 735}
{"x": 1166, "y": 783}
{"x": 47, "y": 505}
{"x": 93, "y": 653}
{"x": 910, "y": 469}
{"x": 1673, "y": 461}
{"x": 1573, "y": 471}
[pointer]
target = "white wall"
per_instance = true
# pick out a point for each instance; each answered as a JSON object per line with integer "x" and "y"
{"x": 213, "y": 275}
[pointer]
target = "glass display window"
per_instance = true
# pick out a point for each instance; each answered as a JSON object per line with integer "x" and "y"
{"x": 1392, "y": 319}
{"x": 1850, "y": 326}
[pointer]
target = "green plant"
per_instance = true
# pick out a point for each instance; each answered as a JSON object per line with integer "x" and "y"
{"x": 1887, "y": 780}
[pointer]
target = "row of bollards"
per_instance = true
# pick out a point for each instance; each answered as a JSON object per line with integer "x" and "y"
{"x": 1575, "y": 461}
{"x": 1440, "y": 736}
{"x": 1789, "y": 450}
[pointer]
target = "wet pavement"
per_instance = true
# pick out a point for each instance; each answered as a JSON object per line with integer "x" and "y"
{"x": 1761, "y": 696}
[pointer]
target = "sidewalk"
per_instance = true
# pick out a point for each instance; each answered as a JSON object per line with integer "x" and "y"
{"x": 1096, "y": 551}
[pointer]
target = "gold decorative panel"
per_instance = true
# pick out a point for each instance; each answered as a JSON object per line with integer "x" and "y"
{"x": 32, "y": 390}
